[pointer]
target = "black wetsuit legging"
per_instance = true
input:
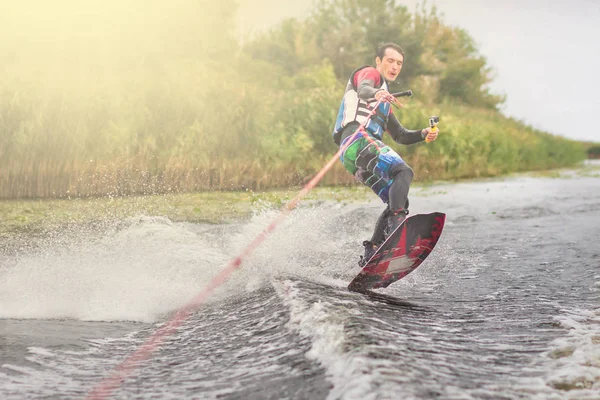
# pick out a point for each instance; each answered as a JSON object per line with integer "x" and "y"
{"x": 398, "y": 199}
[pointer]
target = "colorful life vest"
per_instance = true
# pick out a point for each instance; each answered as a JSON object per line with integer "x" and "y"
{"x": 354, "y": 109}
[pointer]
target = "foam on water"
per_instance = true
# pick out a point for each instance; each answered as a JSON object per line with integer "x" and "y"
{"x": 572, "y": 361}
{"x": 309, "y": 244}
{"x": 151, "y": 266}
{"x": 576, "y": 357}
{"x": 147, "y": 268}
{"x": 326, "y": 332}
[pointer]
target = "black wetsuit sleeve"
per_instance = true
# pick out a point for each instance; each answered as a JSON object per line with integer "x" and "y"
{"x": 402, "y": 135}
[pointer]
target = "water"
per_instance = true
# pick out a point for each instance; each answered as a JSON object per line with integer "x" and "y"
{"x": 506, "y": 307}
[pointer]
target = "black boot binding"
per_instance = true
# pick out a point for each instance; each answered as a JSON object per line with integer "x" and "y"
{"x": 395, "y": 219}
{"x": 370, "y": 249}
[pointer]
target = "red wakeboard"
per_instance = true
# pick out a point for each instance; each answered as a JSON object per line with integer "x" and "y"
{"x": 402, "y": 252}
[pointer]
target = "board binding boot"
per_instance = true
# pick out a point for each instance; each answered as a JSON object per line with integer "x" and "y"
{"x": 370, "y": 249}
{"x": 395, "y": 219}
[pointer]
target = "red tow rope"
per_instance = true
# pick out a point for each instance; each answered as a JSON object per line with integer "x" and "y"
{"x": 105, "y": 388}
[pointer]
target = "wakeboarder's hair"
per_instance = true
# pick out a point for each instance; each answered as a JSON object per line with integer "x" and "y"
{"x": 389, "y": 45}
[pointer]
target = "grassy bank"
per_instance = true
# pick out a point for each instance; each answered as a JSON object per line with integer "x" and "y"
{"x": 38, "y": 216}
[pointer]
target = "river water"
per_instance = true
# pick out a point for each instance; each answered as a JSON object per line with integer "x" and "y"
{"x": 506, "y": 307}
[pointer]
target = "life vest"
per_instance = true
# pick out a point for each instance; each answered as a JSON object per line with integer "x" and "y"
{"x": 354, "y": 109}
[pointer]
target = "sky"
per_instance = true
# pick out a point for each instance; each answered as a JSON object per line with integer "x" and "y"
{"x": 544, "y": 53}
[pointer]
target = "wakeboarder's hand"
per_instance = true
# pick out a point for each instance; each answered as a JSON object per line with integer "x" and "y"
{"x": 386, "y": 97}
{"x": 429, "y": 134}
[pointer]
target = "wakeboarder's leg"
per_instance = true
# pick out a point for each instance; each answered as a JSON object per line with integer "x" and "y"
{"x": 398, "y": 198}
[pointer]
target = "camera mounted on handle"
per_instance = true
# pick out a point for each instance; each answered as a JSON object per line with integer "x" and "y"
{"x": 433, "y": 121}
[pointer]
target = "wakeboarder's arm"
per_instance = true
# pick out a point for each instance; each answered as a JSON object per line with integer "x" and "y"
{"x": 366, "y": 80}
{"x": 402, "y": 135}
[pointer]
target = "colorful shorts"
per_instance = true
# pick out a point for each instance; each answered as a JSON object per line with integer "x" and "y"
{"x": 372, "y": 163}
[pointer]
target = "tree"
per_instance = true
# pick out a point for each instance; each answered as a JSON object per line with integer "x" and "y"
{"x": 347, "y": 32}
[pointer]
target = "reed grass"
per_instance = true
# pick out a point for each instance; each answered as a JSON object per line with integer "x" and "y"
{"x": 160, "y": 109}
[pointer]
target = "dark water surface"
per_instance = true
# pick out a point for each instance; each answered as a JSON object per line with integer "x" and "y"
{"x": 506, "y": 307}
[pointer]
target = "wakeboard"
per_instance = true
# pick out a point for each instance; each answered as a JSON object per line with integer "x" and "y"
{"x": 401, "y": 253}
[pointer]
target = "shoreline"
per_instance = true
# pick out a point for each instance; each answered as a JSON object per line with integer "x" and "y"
{"x": 35, "y": 217}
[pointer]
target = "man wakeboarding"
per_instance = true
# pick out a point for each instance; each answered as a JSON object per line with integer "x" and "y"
{"x": 372, "y": 162}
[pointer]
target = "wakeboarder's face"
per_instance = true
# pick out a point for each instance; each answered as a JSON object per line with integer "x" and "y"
{"x": 391, "y": 64}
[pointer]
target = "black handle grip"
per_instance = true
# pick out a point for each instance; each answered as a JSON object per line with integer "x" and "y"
{"x": 406, "y": 93}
